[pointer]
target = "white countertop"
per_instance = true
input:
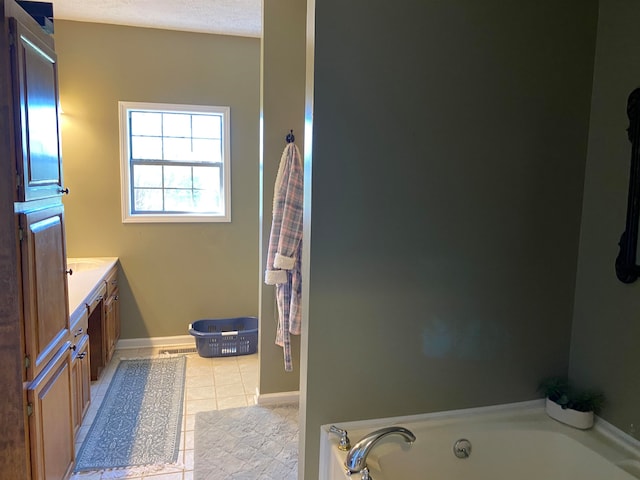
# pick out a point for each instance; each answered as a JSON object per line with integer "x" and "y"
{"x": 87, "y": 274}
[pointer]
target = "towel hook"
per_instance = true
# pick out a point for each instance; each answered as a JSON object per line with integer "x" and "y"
{"x": 290, "y": 138}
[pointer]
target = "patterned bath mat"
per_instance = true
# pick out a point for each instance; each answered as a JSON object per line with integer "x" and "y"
{"x": 139, "y": 420}
{"x": 248, "y": 443}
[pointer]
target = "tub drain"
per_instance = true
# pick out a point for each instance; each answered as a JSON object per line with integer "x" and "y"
{"x": 462, "y": 448}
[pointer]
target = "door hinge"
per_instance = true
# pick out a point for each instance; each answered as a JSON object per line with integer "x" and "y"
{"x": 12, "y": 39}
{"x": 29, "y": 409}
{"x": 20, "y": 233}
{"x": 27, "y": 362}
{"x": 18, "y": 184}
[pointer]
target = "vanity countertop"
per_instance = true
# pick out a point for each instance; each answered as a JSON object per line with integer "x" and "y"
{"x": 87, "y": 274}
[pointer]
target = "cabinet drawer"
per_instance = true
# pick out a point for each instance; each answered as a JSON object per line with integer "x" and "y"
{"x": 79, "y": 323}
{"x": 94, "y": 300}
{"x": 112, "y": 281}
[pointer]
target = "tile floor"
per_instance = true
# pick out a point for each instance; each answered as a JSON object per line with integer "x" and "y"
{"x": 210, "y": 384}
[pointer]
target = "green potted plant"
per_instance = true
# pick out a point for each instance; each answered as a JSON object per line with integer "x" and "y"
{"x": 569, "y": 405}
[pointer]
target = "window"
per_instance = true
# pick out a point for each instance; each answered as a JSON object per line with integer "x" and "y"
{"x": 174, "y": 163}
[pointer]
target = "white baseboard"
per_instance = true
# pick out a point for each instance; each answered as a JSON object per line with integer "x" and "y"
{"x": 127, "y": 343}
{"x": 275, "y": 398}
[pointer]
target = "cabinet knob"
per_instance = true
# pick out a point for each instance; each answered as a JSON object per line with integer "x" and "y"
{"x": 69, "y": 272}
{"x": 82, "y": 355}
{"x": 72, "y": 347}
{"x": 64, "y": 190}
{"x": 78, "y": 332}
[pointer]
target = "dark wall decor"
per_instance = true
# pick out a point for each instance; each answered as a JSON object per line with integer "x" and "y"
{"x": 626, "y": 268}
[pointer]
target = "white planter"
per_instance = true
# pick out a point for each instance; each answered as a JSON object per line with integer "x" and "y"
{"x": 574, "y": 418}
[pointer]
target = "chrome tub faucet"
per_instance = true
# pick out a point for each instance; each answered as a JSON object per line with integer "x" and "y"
{"x": 356, "y": 461}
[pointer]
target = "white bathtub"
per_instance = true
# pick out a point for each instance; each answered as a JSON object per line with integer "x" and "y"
{"x": 509, "y": 442}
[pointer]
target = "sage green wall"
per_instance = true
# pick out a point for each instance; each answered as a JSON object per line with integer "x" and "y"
{"x": 282, "y": 109}
{"x": 606, "y": 325}
{"x": 449, "y": 141}
{"x": 172, "y": 274}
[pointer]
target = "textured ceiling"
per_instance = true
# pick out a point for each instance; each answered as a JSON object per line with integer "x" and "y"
{"x": 227, "y": 17}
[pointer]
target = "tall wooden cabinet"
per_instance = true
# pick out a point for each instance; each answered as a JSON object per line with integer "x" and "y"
{"x": 36, "y": 345}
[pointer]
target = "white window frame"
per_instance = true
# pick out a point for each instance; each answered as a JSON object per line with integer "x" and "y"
{"x": 125, "y": 168}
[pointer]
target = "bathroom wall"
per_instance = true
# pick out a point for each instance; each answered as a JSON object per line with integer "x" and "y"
{"x": 172, "y": 274}
{"x": 605, "y": 342}
{"x": 282, "y": 109}
{"x": 445, "y": 189}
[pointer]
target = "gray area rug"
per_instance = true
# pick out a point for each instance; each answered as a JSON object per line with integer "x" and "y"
{"x": 248, "y": 443}
{"x": 139, "y": 420}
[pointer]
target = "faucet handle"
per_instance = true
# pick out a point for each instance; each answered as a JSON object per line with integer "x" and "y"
{"x": 345, "y": 443}
{"x": 364, "y": 473}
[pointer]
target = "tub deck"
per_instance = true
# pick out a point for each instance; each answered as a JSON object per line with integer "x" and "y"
{"x": 515, "y": 441}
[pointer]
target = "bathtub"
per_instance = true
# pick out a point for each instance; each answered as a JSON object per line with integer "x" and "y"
{"x": 516, "y": 441}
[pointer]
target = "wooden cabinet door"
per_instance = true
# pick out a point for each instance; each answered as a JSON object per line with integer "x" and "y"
{"x": 37, "y": 129}
{"x": 51, "y": 423}
{"x": 80, "y": 382}
{"x": 85, "y": 378}
{"x": 116, "y": 318}
{"x": 44, "y": 283}
{"x": 76, "y": 391}
{"x": 112, "y": 321}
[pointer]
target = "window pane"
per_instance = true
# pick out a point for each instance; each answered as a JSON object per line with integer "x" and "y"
{"x": 177, "y": 149}
{"x": 146, "y": 148}
{"x": 206, "y": 177}
{"x": 146, "y": 123}
{"x": 207, "y": 126}
{"x": 206, "y": 201}
{"x": 206, "y": 151}
{"x": 148, "y": 200}
{"x": 147, "y": 176}
{"x": 178, "y": 200}
{"x": 176, "y": 125}
{"x": 177, "y": 177}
